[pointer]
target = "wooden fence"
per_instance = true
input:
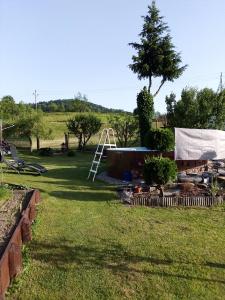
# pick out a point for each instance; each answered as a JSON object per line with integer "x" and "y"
{"x": 173, "y": 201}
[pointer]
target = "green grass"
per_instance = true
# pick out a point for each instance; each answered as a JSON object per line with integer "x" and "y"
{"x": 58, "y": 121}
{"x": 87, "y": 245}
{"x": 5, "y": 194}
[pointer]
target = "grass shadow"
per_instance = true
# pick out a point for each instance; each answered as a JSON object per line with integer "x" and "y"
{"x": 113, "y": 257}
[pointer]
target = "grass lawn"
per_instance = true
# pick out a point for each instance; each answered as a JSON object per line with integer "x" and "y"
{"x": 87, "y": 245}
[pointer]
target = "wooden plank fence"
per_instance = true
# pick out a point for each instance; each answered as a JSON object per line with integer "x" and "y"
{"x": 170, "y": 201}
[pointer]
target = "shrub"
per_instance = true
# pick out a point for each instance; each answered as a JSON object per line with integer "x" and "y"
{"x": 71, "y": 153}
{"x": 160, "y": 139}
{"x": 45, "y": 152}
{"x": 159, "y": 170}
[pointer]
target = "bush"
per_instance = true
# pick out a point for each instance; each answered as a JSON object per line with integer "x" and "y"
{"x": 71, "y": 153}
{"x": 159, "y": 170}
{"x": 45, "y": 152}
{"x": 160, "y": 139}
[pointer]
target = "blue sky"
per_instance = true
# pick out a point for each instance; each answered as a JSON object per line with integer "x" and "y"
{"x": 62, "y": 47}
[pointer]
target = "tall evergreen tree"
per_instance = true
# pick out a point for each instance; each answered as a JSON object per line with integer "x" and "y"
{"x": 156, "y": 55}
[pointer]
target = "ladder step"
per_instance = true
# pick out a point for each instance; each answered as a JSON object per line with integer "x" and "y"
{"x": 99, "y": 153}
{"x": 112, "y": 145}
{"x": 95, "y": 162}
{"x": 93, "y": 171}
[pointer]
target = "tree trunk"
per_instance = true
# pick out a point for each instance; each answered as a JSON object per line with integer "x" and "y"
{"x": 66, "y": 141}
{"x": 38, "y": 143}
{"x": 80, "y": 142}
{"x": 150, "y": 83}
{"x": 30, "y": 141}
{"x": 161, "y": 190}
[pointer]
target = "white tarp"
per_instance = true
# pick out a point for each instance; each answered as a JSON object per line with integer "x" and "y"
{"x": 199, "y": 144}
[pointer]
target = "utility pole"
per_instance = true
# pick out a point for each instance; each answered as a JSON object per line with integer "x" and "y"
{"x": 220, "y": 87}
{"x": 221, "y": 82}
{"x": 35, "y": 98}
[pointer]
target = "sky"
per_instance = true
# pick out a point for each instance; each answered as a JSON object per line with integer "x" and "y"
{"x": 62, "y": 47}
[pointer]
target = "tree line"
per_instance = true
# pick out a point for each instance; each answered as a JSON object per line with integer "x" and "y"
{"x": 203, "y": 108}
{"x": 73, "y": 105}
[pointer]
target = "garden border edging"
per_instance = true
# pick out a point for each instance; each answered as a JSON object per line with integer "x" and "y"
{"x": 11, "y": 259}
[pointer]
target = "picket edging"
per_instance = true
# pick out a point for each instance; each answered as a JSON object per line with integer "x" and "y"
{"x": 173, "y": 201}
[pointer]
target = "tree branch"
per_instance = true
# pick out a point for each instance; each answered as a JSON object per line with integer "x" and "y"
{"x": 161, "y": 84}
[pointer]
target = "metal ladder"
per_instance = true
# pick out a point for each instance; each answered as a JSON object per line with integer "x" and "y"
{"x": 105, "y": 136}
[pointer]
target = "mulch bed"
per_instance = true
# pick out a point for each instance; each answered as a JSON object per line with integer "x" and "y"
{"x": 10, "y": 214}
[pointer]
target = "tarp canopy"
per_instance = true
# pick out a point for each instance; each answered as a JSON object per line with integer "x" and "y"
{"x": 199, "y": 144}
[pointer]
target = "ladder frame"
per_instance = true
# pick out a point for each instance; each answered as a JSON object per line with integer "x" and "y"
{"x": 100, "y": 149}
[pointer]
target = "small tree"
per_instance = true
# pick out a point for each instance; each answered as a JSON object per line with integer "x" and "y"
{"x": 170, "y": 104}
{"x": 159, "y": 170}
{"x": 31, "y": 124}
{"x": 8, "y": 108}
{"x": 160, "y": 139}
{"x": 156, "y": 56}
{"x": 83, "y": 127}
{"x": 126, "y": 128}
{"x": 145, "y": 112}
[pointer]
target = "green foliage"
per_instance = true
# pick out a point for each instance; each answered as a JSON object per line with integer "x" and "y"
{"x": 159, "y": 170}
{"x": 160, "y": 139}
{"x": 170, "y": 105}
{"x": 83, "y": 126}
{"x": 145, "y": 109}
{"x": 125, "y": 127}
{"x": 196, "y": 109}
{"x": 71, "y": 153}
{"x": 214, "y": 188}
{"x": 31, "y": 124}
{"x": 5, "y": 194}
{"x": 45, "y": 152}
{"x": 8, "y": 108}
{"x": 156, "y": 56}
{"x": 79, "y": 104}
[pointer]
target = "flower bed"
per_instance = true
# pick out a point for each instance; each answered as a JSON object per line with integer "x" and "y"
{"x": 16, "y": 216}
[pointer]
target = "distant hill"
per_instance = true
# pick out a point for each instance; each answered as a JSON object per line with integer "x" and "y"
{"x": 74, "y": 105}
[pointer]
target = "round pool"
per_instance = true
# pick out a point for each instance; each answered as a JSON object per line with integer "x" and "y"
{"x": 128, "y": 162}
